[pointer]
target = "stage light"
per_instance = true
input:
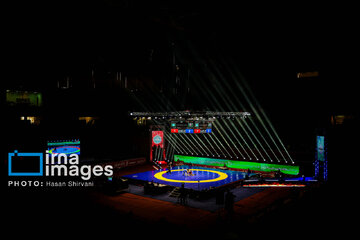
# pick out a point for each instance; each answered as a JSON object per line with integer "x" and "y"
{"x": 236, "y": 75}
{"x": 218, "y": 146}
{"x": 237, "y": 131}
{"x": 224, "y": 140}
{"x": 259, "y": 132}
{"x": 275, "y": 133}
{"x": 183, "y": 136}
{"x": 211, "y": 145}
{"x": 232, "y": 142}
{"x": 257, "y": 140}
{"x": 199, "y": 142}
{"x": 173, "y": 141}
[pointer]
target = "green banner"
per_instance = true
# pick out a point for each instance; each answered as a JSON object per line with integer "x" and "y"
{"x": 254, "y": 166}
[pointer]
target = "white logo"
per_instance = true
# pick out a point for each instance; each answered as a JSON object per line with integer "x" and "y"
{"x": 157, "y": 139}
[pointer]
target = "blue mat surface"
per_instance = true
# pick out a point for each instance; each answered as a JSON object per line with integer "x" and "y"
{"x": 200, "y": 179}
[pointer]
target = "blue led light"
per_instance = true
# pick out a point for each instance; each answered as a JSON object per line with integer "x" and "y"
{"x": 189, "y": 131}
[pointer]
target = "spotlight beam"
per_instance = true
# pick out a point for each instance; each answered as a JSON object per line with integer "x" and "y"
{"x": 277, "y": 136}
{"x": 198, "y": 143}
{"x": 176, "y": 138}
{"x": 172, "y": 139}
{"x": 215, "y": 101}
{"x": 257, "y": 129}
{"x": 237, "y": 131}
{"x": 189, "y": 145}
{"x": 192, "y": 149}
{"x": 218, "y": 88}
{"x": 237, "y": 140}
{"x": 213, "y": 97}
{"x": 221, "y": 143}
{"x": 201, "y": 141}
{"x": 251, "y": 105}
{"x": 205, "y": 137}
{"x": 256, "y": 113}
{"x": 247, "y": 134}
{"x": 174, "y": 143}
{"x": 222, "y": 129}
{"x": 212, "y": 139}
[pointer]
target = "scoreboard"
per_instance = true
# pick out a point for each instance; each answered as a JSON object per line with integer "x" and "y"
{"x": 203, "y": 126}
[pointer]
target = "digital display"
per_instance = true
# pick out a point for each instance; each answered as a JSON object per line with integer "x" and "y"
{"x": 24, "y": 98}
{"x": 320, "y": 147}
{"x": 64, "y": 146}
{"x": 254, "y": 166}
{"x": 192, "y": 126}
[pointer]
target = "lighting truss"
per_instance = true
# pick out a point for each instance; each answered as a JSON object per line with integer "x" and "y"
{"x": 190, "y": 115}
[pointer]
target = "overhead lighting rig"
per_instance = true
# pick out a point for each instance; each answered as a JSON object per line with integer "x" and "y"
{"x": 190, "y": 115}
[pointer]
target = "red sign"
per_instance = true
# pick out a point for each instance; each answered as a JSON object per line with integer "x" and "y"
{"x": 196, "y": 130}
{"x": 158, "y": 138}
{"x": 174, "y": 130}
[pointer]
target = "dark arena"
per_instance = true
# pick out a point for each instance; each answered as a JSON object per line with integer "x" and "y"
{"x": 179, "y": 120}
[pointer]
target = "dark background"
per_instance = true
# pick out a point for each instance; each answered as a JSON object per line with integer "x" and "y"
{"x": 269, "y": 43}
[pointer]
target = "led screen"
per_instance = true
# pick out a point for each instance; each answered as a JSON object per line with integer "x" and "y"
{"x": 24, "y": 98}
{"x": 204, "y": 126}
{"x": 320, "y": 147}
{"x": 64, "y": 146}
{"x": 255, "y": 166}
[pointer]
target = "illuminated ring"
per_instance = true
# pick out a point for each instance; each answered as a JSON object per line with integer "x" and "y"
{"x": 222, "y": 176}
{"x": 77, "y": 150}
